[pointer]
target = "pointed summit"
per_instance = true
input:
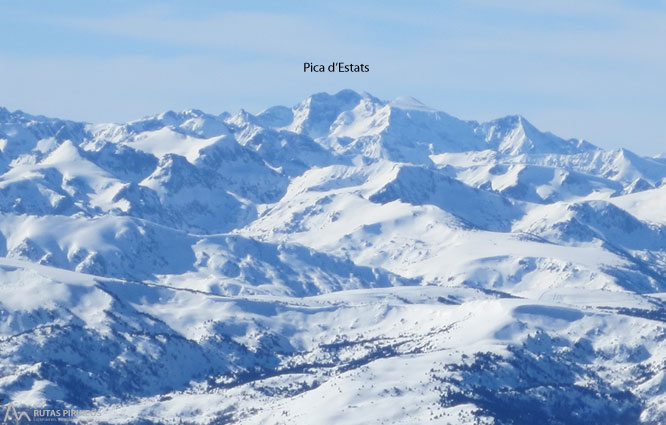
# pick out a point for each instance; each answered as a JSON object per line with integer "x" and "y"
{"x": 314, "y": 115}
{"x": 276, "y": 116}
{"x": 410, "y": 103}
{"x": 515, "y": 135}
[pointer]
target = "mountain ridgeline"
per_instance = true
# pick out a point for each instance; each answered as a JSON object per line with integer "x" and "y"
{"x": 403, "y": 264}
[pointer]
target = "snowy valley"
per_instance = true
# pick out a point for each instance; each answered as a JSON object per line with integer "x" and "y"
{"x": 348, "y": 260}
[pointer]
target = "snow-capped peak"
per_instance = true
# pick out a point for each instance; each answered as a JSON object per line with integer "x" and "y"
{"x": 410, "y": 103}
{"x": 404, "y": 265}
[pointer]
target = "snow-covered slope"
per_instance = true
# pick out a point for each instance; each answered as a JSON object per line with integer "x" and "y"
{"x": 347, "y": 260}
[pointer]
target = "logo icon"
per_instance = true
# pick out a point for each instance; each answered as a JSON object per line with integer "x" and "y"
{"x": 12, "y": 413}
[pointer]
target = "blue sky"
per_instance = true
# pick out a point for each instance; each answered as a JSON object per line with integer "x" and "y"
{"x": 592, "y": 69}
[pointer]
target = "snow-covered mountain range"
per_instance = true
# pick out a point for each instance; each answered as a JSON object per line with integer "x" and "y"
{"x": 347, "y": 260}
